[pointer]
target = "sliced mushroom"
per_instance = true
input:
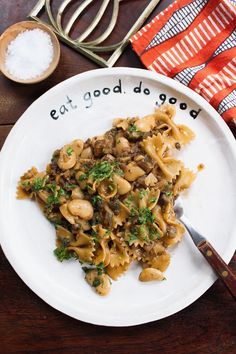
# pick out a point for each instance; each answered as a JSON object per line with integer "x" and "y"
{"x": 87, "y": 153}
{"x": 107, "y": 189}
{"x": 77, "y": 193}
{"x": 149, "y": 274}
{"x": 133, "y": 172}
{"x": 67, "y": 158}
{"x": 66, "y": 213}
{"x": 122, "y": 146}
{"x": 82, "y": 208}
{"x": 123, "y": 186}
{"x": 82, "y": 182}
{"x": 101, "y": 283}
{"x": 105, "y": 286}
{"x": 77, "y": 145}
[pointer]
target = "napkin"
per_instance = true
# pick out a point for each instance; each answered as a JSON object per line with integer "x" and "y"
{"x": 194, "y": 42}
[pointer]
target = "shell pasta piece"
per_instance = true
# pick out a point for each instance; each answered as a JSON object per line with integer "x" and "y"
{"x": 111, "y": 197}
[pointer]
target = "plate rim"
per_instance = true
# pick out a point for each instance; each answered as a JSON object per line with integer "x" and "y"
{"x": 60, "y": 306}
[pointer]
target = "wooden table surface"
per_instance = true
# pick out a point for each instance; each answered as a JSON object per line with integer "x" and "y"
{"x": 29, "y": 325}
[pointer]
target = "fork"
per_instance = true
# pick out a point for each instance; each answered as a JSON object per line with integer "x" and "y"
{"x": 213, "y": 258}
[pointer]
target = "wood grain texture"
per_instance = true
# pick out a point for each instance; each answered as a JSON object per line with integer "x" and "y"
{"x": 29, "y": 325}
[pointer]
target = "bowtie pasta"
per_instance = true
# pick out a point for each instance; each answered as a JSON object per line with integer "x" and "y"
{"x": 111, "y": 197}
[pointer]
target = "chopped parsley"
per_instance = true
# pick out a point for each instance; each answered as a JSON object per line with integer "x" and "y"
{"x": 87, "y": 269}
{"x": 94, "y": 236}
{"x": 61, "y": 192}
{"x": 96, "y": 282}
{"x": 95, "y": 199}
{"x": 133, "y": 212}
{"x": 132, "y": 128}
{"x": 128, "y": 201}
{"x": 25, "y": 184}
{"x": 142, "y": 229}
{"x": 69, "y": 151}
{"x": 100, "y": 268}
{"x": 118, "y": 170}
{"x": 132, "y": 239}
{"x": 70, "y": 185}
{"x": 168, "y": 194}
{"x": 62, "y": 254}
{"x": 145, "y": 216}
{"x": 89, "y": 188}
{"x": 38, "y": 184}
{"x": 153, "y": 200}
{"x": 153, "y": 233}
{"x": 53, "y": 199}
{"x": 142, "y": 193}
{"x": 51, "y": 187}
{"x": 83, "y": 177}
{"x": 101, "y": 170}
{"x": 107, "y": 233}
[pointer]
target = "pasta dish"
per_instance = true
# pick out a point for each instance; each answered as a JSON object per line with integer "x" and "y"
{"x": 111, "y": 197}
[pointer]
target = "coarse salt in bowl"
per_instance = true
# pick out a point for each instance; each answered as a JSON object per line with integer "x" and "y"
{"x": 29, "y": 52}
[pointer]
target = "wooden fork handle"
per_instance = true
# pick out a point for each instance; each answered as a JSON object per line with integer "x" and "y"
{"x": 220, "y": 267}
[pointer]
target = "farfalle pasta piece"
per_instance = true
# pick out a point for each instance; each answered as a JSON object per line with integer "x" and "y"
{"x": 121, "y": 217}
{"x": 160, "y": 262}
{"x": 30, "y": 181}
{"x": 102, "y": 251}
{"x": 145, "y": 124}
{"x": 150, "y": 180}
{"x": 176, "y": 133}
{"x": 159, "y": 219}
{"x": 120, "y": 123}
{"x": 186, "y": 134}
{"x": 168, "y": 109}
{"x": 64, "y": 236}
{"x": 83, "y": 247}
{"x": 116, "y": 272}
{"x": 174, "y": 235}
{"x": 155, "y": 148}
{"x": 148, "y": 198}
{"x": 118, "y": 253}
{"x": 184, "y": 180}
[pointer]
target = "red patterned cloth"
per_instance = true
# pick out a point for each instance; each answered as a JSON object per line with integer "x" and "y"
{"x": 194, "y": 42}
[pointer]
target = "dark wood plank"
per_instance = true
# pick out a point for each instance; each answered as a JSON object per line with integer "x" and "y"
{"x": 4, "y": 131}
{"x": 28, "y": 325}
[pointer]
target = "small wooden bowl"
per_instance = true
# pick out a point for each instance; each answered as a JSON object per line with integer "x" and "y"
{"x": 11, "y": 33}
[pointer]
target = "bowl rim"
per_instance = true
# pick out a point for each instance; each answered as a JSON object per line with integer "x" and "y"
{"x": 52, "y": 65}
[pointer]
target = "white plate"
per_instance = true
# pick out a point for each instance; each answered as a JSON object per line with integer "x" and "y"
{"x": 28, "y": 239}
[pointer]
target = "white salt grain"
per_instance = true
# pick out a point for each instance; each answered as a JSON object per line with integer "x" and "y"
{"x": 29, "y": 54}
